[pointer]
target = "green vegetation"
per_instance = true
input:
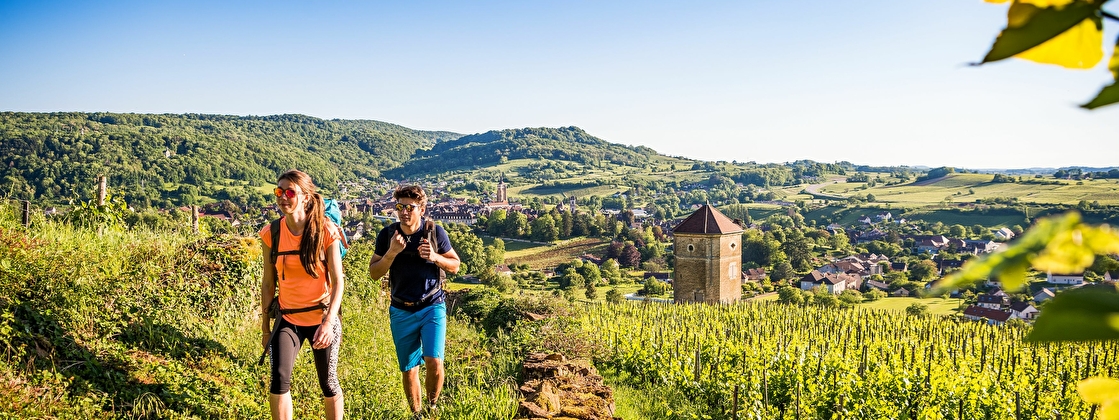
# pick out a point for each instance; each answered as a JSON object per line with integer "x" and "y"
{"x": 787, "y": 361}
{"x": 142, "y": 323}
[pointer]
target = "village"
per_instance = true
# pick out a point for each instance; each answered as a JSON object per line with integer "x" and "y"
{"x": 717, "y": 273}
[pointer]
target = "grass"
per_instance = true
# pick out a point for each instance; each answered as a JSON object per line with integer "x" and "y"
{"x": 937, "y": 306}
{"x": 163, "y": 324}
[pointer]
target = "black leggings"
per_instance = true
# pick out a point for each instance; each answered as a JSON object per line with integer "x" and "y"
{"x": 285, "y": 346}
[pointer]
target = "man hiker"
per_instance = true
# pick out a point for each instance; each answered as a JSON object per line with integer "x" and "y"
{"x": 415, "y": 254}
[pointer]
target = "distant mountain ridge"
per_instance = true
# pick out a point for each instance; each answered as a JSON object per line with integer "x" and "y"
{"x": 492, "y": 147}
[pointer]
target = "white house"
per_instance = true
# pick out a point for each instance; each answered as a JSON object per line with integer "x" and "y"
{"x": 1043, "y": 295}
{"x": 1004, "y": 234}
{"x": 1072, "y": 279}
{"x": 1023, "y": 310}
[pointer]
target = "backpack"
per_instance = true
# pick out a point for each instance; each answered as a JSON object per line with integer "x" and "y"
{"x": 431, "y": 234}
{"x": 332, "y": 212}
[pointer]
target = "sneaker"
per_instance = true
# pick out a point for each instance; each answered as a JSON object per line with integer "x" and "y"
{"x": 432, "y": 410}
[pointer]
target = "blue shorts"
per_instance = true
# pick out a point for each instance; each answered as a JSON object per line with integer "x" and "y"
{"x": 410, "y": 330}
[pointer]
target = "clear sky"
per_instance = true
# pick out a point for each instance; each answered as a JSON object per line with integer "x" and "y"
{"x": 882, "y": 82}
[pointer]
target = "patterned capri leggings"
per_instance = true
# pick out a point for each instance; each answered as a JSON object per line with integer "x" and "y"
{"x": 285, "y": 346}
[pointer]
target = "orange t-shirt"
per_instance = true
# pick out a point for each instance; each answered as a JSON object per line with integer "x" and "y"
{"x": 297, "y": 288}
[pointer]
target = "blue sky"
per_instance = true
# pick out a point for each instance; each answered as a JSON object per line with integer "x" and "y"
{"x": 872, "y": 82}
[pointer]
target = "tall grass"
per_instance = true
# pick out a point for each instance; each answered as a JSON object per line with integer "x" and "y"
{"x": 139, "y": 323}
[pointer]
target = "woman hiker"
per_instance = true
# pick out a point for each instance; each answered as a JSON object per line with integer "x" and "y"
{"x": 307, "y": 270}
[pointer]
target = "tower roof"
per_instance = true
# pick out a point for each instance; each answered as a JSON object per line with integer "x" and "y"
{"x": 707, "y": 220}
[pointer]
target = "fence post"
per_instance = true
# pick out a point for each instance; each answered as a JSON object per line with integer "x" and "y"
{"x": 102, "y": 189}
{"x": 194, "y": 218}
{"x": 27, "y": 214}
{"x": 734, "y": 405}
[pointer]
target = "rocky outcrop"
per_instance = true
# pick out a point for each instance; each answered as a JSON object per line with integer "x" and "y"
{"x": 557, "y": 388}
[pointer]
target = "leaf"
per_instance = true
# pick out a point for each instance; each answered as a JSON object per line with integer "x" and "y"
{"x": 1084, "y": 314}
{"x": 1076, "y": 48}
{"x": 1029, "y": 26}
{"x": 1102, "y": 391}
{"x": 1010, "y": 264}
{"x": 1107, "y": 96}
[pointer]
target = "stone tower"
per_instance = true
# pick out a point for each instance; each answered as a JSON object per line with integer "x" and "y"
{"x": 501, "y": 194}
{"x": 708, "y": 250}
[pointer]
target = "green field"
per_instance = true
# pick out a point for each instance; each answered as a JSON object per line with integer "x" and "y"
{"x": 937, "y": 306}
{"x": 545, "y": 256}
{"x": 967, "y": 188}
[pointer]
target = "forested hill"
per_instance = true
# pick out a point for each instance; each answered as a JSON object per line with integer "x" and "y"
{"x": 164, "y": 159}
{"x": 493, "y": 147}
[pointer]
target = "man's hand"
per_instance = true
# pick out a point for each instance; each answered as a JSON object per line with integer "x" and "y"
{"x": 425, "y": 250}
{"x": 396, "y": 244}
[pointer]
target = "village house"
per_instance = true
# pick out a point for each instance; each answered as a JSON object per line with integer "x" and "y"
{"x": 1070, "y": 279}
{"x": 753, "y": 274}
{"x": 875, "y": 284}
{"x": 1043, "y": 295}
{"x": 835, "y": 283}
{"x": 992, "y": 316}
{"x": 992, "y": 301}
{"x": 1004, "y": 234}
{"x": 1023, "y": 310}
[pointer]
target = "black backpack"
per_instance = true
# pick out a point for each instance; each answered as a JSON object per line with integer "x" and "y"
{"x": 431, "y": 234}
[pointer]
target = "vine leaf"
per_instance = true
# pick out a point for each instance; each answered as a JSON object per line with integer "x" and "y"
{"x": 1109, "y": 94}
{"x": 1102, "y": 391}
{"x": 1060, "y": 244}
{"x": 1084, "y": 314}
{"x": 1069, "y": 26}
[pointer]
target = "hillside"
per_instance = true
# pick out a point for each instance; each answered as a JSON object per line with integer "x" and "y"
{"x": 166, "y": 160}
{"x": 495, "y": 147}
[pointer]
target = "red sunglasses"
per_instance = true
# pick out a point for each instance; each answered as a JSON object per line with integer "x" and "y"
{"x": 280, "y": 192}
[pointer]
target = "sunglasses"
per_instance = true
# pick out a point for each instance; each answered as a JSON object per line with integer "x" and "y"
{"x": 405, "y": 207}
{"x": 280, "y": 192}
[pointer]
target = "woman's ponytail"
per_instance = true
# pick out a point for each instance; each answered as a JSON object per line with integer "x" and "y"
{"x": 314, "y": 234}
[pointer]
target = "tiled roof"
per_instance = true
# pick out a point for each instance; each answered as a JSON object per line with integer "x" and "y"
{"x": 988, "y": 313}
{"x": 707, "y": 220}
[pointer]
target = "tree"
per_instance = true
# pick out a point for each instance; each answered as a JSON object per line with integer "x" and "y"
{"x": 790, "y": 295}
{"x": 654, "y": 287}
{"x": 873, "y": 295}
{"x": 630, "y": 257}
{"x": 592, "y": 291}
{"x": 495, "y": 254}
{"x": 850, "y": 297}
{"x": 783, "y": 270}
{"x": 977, "y": 230}
{"x": 957, "y": 231}
{"x": 614, "y": 296}
{"x": 924, "y": 270}
{"x": 917, "y": 309}
{"x": 611, "y": 271}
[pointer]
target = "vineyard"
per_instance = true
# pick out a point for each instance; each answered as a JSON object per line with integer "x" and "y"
{"x": 774, "y": 361}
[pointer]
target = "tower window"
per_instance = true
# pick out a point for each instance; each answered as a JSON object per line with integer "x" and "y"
{"x": 732, "y": 245}
{"x": 691, "y": 248}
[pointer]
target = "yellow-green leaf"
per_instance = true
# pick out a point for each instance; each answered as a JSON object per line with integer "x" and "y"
{"x": 1080, "y": 47}
{"x": 1084, "y": 314}
{"x": 1102, "y": 391}
{"x": 1098, "y": 390}
{"x": 1113, "y": 64}
{"x": 1029, "y": 26}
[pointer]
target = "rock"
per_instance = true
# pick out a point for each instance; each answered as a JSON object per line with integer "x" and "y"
{"x": 558, "y": 388}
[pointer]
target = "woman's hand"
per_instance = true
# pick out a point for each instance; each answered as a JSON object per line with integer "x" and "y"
{"x": 324, "y": 336}
{"x": 265, "y": 337}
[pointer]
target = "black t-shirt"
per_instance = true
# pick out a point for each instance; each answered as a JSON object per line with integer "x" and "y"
{"x": 411, "y": 277}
